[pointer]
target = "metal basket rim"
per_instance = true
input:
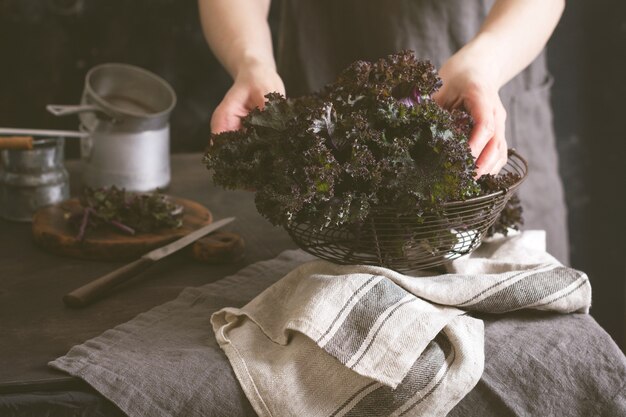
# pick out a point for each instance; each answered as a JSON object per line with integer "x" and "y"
{"x": 377, "y": 246}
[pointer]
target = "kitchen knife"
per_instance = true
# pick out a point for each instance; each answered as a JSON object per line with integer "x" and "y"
{"x": 84, "y": 295}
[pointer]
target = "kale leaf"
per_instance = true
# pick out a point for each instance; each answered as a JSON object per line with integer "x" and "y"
{"x": 129, "y": 213}
{"x": 373, "y": 138}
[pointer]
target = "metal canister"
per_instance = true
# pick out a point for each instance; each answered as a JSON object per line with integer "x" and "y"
{"x": 125, "y": 112}
{"x": 30, "y": 179}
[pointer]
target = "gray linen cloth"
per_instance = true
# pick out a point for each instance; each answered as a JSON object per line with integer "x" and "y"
{"x": 166, "y": 362}
{"x": 331, "y": 340}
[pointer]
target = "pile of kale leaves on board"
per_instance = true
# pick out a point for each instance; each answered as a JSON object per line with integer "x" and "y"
{"x": 374, "y": 137}
{"x": 124, "y": 212}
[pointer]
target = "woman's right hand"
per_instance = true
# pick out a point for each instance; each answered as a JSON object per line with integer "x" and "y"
{"x": 248, "y": 91}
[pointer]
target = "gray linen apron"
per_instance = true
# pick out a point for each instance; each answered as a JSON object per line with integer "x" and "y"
{"x": 318, "y": 38}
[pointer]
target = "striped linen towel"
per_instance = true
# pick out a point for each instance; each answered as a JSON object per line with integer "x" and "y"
{"x": 330, "y": 340}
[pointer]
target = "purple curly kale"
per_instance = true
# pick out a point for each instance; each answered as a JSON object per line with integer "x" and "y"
{"x": 128, "y": 213}
{"x": 511, "y": 215}
{"x": 373, "y": 138}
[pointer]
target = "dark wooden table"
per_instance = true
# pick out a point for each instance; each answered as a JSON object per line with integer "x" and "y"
{"x": 36, "y": 327}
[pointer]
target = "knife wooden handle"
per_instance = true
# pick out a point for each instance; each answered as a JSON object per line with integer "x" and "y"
{"x": 218, "y": 247}
{"x": 88, "y": 293}
{"x": 16, "y": 142}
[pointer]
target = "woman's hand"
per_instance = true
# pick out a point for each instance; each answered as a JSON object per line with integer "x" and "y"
{"x": 248, "y": 91}
{"x": 500, "y": 50}
{"x": 239, "y": 35}
{"x": 469, "y": 86}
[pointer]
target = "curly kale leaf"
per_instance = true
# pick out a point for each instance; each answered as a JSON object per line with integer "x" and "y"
{"x": 511, "y": 215}
{"x": 129, "y": 213}
{"x": 373, "y": 138}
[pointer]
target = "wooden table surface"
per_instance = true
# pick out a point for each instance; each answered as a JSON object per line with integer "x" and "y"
{"x": 35, "y": 326}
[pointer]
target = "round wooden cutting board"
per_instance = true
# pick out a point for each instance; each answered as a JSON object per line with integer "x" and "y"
{"x": 52, "y": 232}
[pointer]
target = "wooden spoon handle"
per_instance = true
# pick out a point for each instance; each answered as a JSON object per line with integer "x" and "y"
{"x": 84, "y": 295}
{"x": 16, "y": 142}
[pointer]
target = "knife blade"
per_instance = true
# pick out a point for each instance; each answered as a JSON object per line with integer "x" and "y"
{"x": 95, "y": 289}
{"x": 189, "y": 238}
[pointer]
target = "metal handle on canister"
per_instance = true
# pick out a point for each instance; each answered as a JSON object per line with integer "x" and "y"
{"x": 65, "y": 110}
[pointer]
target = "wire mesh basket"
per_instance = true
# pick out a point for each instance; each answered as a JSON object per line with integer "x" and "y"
{"x": 411, "y": 242}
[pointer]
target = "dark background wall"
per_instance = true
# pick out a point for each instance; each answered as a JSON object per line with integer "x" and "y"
{"x": 587, "y": 56}
{"x": 47, "y": 46}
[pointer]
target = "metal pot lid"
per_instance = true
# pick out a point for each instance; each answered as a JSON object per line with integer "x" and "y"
{"x": 127, "y": 91}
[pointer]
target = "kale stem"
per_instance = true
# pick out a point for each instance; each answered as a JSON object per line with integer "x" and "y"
{"x": 83, "y": 224}
{"x": 122, "y": 227}
{"x": 332, "y": 143}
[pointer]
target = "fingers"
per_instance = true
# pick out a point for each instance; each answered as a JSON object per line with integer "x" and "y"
{"x": 447, "y": 98}
{"x": 236, "y": 104}
{"x": 466, "y": 86}
{"x": 224, "y": 119}
{"x": 484, "y": 123}
{"x": 493, "y": 155}
{"x": 245, "y": 94}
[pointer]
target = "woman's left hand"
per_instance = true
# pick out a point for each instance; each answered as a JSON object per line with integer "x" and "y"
{"x": 468, "y": 86}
